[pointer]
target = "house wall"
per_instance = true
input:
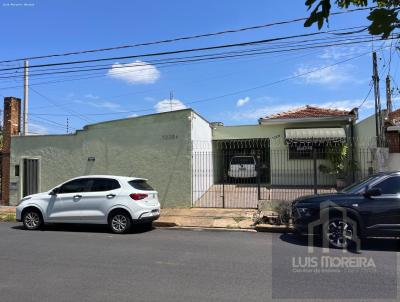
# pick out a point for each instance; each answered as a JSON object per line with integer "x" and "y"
{"x": 364, "y": 133}
{"x": 365, "y": 146}
{"x": 202, "y": 157}
{"x": 284, "y": 171}
{"x": 156, "y": 147}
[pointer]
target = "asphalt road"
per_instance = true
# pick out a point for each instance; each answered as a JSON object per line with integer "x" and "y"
{"x": 86, "y": 263}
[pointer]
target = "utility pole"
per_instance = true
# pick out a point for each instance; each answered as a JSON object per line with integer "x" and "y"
{"x": 171, "y": 97}
{"x": 378, "y": 110}
{"x": 25, "y": 123}
{"x": 389, "y": 105}
{"x": 67, "y": 125}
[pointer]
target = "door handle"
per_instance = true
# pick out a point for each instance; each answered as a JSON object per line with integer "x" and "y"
{"x": 77, "y": 196}
{"x": 110, "y": 196}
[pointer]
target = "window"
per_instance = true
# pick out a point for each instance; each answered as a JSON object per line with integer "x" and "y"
{"x": 140, "y": 184}
{"x": 390, "y": 185}
{"x": 104, "y": 184}
{"x": 75, "y": 186}
{"x": 305, "y": 150}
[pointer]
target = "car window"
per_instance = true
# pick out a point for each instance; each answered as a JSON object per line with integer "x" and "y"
{"x": 242, "y": 160}
{"x": 75, "y": 186}
{"x": 140, "y": 184}
{"x": 390, "y": 185}
{"x": 362, "y": 184}
{"x": 104, "y": 184}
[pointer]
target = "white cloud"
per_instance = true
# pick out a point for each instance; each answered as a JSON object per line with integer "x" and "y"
{"x": 37, "y": 129}
{"x": 169, "y": 105}
{"x": 337, "y": 53}
{"x": 137, "y": 72}
{"x": 242, "y": 101}
{"x": 133, "y": 115}
{"x": 91, "y": 96}
{"x": 256, "y": 113}
{"x": 95, "y": 101}
{"x": 347, "y": 104}
{"x": 273, "y": 108}
{"x": 329, "y": 75}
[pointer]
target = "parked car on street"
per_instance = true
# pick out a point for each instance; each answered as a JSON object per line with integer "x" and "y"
{"x": 118, "y": 201}
{"x": 367, "y": 208}
{"x": 242, "y": 167}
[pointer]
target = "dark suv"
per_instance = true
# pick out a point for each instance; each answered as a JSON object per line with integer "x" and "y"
{"x": 369, "y": 208}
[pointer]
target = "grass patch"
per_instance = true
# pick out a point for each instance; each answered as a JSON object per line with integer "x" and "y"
{"x": 7, "y": 217}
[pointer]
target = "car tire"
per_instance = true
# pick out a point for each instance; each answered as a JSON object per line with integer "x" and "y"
{"x": 120, "y": 222}
{"x": 32, "y": 219}
{"x": 340, "y": 232}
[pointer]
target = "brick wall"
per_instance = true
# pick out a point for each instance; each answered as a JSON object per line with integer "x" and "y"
{"x": 393, "y": 140}
{"x": 11, "y": 126}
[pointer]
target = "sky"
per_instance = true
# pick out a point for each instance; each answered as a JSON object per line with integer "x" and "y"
{"x": 234, "y": 91}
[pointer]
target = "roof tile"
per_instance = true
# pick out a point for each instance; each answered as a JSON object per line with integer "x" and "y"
{"x": 308, "y": 111}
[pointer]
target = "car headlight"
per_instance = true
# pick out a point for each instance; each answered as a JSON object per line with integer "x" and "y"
{"x": 304, "y": 211}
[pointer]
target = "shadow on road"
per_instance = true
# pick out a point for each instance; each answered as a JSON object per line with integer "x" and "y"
{"x": 86, "y": 228}
{"x": 369, "y": 244}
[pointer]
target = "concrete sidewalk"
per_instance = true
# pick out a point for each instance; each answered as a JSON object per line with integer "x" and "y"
{"x": 194, "y": 217}
{"x": 207, "y": 218}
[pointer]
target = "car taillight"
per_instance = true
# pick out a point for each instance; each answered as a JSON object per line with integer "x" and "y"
{"x": 138, "y": 196}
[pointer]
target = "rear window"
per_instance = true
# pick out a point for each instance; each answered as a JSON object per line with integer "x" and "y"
{"x": 140, "y": 184}
{"x": 104, "y": 184}
{"x": 243, "y": 160}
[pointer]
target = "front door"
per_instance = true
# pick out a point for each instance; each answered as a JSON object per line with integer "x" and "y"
{"x": 68, "y": 202}
{"x": 30, "y": 176}
{"x": 383, "y": 211}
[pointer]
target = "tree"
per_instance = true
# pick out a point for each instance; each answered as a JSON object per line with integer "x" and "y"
{"x": 383, "y": 14}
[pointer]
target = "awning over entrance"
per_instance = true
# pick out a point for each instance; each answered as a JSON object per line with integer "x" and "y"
{"x": 315, "y": 133}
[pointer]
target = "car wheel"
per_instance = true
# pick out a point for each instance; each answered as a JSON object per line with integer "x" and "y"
{"x": 120, "y": 223}
{"x": 339, "y": 232}
{"x": 32, "y": 220}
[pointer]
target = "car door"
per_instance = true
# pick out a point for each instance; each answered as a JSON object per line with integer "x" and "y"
{"x": 67, "y": 204}
{"x": 100, "y": 197}
{"x": 382, "y": 212}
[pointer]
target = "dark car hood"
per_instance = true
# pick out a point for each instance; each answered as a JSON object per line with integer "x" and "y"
{"x": 321, "y": 198}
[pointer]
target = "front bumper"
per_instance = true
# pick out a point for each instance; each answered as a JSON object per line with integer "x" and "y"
{"x": 305, "y": 224}
{"x": 18, "y": 212}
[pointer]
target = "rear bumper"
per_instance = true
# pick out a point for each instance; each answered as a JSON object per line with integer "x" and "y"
{"x": 146, "y": 219}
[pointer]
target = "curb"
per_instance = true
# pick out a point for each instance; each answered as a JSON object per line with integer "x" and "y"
{"x": 217, "y": 229}
{"x": 269, "y": 228}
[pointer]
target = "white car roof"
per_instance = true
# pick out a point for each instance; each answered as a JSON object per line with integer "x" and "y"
{"x": 125, "y": 178}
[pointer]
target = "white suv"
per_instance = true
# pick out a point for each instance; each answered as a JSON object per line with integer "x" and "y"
{"x": 98, "y": 199}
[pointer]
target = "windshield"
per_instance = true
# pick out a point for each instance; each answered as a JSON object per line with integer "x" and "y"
{"x": 242, "y": 160}
{"x": 357, "y": 186}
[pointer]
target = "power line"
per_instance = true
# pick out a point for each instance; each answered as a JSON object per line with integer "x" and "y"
{"x": 228, "y": 94}
{"x": 221, "y": 46}
{"x": 229, "y": 31}
{"x": 188, "y": 59}
{"x": 276, "y": 47}
{"x": 367, "y": 96}
{"x": 82, "y": 117}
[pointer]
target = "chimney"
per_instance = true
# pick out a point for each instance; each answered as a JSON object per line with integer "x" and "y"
{"x": 11, "y": 126}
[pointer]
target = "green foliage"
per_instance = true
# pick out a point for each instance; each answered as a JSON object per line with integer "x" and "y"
{"x": 383, "y": 15}
{"x": 339, "y": 162}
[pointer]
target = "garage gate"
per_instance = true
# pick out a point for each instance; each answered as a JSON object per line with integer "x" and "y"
{"x": 235, "y": 174}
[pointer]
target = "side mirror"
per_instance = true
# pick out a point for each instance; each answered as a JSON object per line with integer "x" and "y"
{"x": 54, "y": 191}
{"x": 373, "y": 192}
